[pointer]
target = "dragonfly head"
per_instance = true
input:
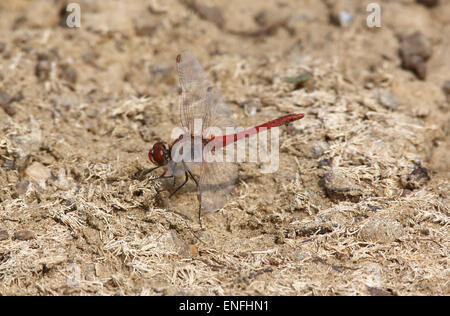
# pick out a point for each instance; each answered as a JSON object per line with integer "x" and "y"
{"x": 159, "y": 155}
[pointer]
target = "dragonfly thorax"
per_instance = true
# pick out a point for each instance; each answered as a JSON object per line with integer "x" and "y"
{"x": 187, "y": 148}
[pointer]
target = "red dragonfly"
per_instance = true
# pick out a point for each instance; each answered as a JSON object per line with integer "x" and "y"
{"x": 195, "y": 153}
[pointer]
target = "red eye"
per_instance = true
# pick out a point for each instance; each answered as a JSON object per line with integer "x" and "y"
{"x": 157, "y": 154}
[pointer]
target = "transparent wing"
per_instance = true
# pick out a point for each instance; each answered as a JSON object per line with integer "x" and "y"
{"x": 218, "y": 117}
{"x": 201, "y": 105}
{"x": 216, "y": 182}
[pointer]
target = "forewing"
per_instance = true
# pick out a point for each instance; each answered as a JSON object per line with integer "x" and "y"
{"x": 194, "y": 83}
{"x": 201, "y": 104}
{"x": 218, "y": 117}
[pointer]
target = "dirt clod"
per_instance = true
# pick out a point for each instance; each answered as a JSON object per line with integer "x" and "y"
{"x": 429, "y": 3}
{"x": 373, "y": 291}
{"x": 339, "y": 186}
{"x": 5, "y": 103}
{"x": 38, "y": 172}
{"x": 43, "y": 67}
{"x": 68, "y": 73}
{"x": 4, "y": 235}
{"x": 209, "y": 13}
{"x": 381, "y": 229}
{"x": 446, "y": 88}
{"x": 145, "y": 28}
{"x": 417, "y": 178}
{"x": 415, "y": 50}
{"x": 23, "y": 235}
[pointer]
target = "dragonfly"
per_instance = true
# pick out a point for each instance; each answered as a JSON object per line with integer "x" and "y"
{"x": 205, "y": 118}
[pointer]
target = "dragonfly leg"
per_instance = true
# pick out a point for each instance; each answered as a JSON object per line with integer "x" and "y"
{"x": 185, "y": 180}
{"x": 195, "y": 180}
{"x": 163, "y": 176}
{"x": 147, "y": 171}
{"x": 199, "y": 198}
{"x": 162, "y": 190}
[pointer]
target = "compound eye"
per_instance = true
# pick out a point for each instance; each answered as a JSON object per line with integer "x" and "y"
{"x": 157, "y": 154}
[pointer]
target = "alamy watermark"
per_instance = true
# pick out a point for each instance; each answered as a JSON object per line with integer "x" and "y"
{"x": 374, "y": 18}
{"x": 74, "y": 18}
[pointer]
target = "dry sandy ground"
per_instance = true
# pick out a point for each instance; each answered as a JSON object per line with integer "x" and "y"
{"x": 359, "y": 205}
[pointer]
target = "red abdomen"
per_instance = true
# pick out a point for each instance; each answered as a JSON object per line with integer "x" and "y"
{"x": 284, "y": 120}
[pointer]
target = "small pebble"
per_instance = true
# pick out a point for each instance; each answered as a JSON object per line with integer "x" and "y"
{"x": 428, "y": 3}
{"x": 415, "y": 50}
{"x": 446, "y": 88}
{"x": 157, "y": 8}
{"x": 22, "y": 187}
{"x": 38, "y": 172}
{"x": 345, "y": 18}
{"x": 23, "y": 235}
{"x": 425, "y": 231}
{"x": 145, "y": 29}
{"x": 5, "y": 103}
{"x": 193, "y": 250}
{"x": 381, "y": 229}
{"x": 338, "y": 186}
{"x": 324, "y": 163}
{"x": 416, "y": 64}
{"x": 340, "y": 14}
{"x": 252, "y": 106}
{"x": 4, "y": 235}
{"x": 387, "y": 99}
{"x": 373, "y": 291}
{"x": 210, "y": 13}
{"x": 68, "y": 73}
{"x": 416, "y": 44}
{"x": 416, "y": 179}
{"x": 7, "y": 164}
{"x": 317, "y": 150}
{"x": 18, "y": 97}
{"x": 373, "y": 208}
{"x": 43, "y": 67}
{"x": 261, "y": 18}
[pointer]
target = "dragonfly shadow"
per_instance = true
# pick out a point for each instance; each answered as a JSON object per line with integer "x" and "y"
{"x": 169, "y": 185}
